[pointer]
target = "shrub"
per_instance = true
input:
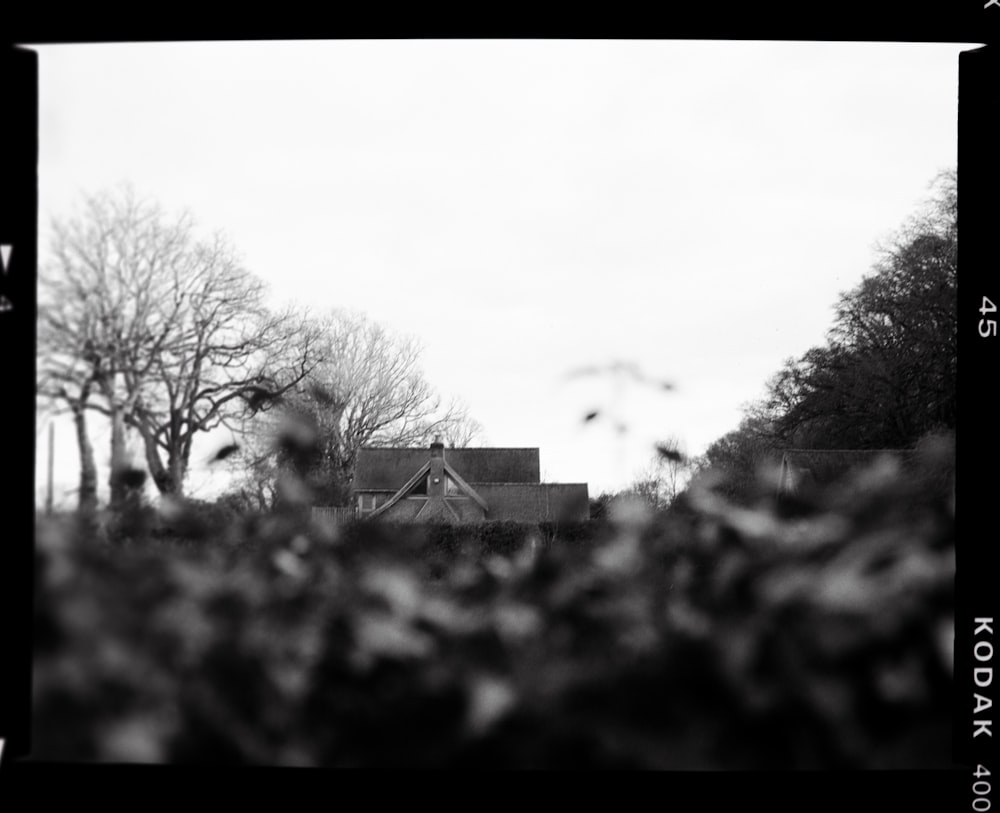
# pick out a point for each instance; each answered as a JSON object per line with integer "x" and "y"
{"x": 718, "y": 636}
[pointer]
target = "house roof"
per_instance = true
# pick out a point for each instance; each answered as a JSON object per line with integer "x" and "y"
{"x": 466, "y": 489}
{"x": 388, "y": 469}
{"x": 545, "y": 501}
{"x": 827, "y": 465}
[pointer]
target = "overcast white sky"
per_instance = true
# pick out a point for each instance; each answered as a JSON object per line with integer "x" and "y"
{"x": 527, "y": 208}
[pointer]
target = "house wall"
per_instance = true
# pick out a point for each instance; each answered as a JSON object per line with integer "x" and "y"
{"x": 364, "y": 502}
{"x": 406, "y": 510}
{"x": 467, "y": 510}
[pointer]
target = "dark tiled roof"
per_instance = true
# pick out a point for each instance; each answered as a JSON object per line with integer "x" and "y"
{"x": 827, "y": 465}
{"x": 546, "y": 502}
{"x": 387, "y": 469}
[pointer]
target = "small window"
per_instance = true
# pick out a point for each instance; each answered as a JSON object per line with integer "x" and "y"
{"x": 420, "y": 488}
{"x": 451, "y": 487}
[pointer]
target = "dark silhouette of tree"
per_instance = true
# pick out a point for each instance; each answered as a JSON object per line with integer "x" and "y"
{"x": 737, "y": 459}
{"x": 887, "y": 375}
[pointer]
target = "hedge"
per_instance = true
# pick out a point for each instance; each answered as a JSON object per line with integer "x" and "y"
{"x": 717, "y": 637}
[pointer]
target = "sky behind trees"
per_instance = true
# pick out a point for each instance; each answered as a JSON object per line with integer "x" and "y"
{"x": 528, "y": 209}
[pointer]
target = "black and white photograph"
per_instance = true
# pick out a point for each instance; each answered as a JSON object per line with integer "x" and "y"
{"x": 497, "y": 403}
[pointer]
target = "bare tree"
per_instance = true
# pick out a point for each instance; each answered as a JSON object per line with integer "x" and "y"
{"x": 665, "y": 477}
{"x": 62, "y": 389}
{"x": 69, "y": 346}
{"x": 231, "y": 356}
{"x": 367, "y": 390}
{"x": 102, "y": 319}
{"x": 169, "y": 329}
{"x": 463, "y": 431}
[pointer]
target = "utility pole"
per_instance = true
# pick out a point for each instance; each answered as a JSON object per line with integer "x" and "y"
{"x": 48, "y": 491}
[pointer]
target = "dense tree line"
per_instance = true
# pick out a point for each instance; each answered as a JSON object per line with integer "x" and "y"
{"x": 886, "y": 376}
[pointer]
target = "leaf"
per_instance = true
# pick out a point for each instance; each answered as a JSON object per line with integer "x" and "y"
{"x": 490, "y": 699}
{"x": 226, "y": 451}
{"x": 296, "y": 435}
{"x": 290, "y": 564}
{"x": 258, "y": 398}
{"x": 391, "y": 637}
{"x": 321, "y": 395}
{"x": 668, "y": 453}
{"x": 132, "y": 478}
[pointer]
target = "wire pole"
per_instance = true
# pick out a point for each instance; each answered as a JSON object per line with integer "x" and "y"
{"x": 48, "y": 491}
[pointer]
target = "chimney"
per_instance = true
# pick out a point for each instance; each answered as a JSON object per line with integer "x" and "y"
{"x": 435, "y": 479}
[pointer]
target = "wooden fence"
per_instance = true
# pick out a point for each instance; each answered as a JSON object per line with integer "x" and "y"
{"x": 333, "y": 514}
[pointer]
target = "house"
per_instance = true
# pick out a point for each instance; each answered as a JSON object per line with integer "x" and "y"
{"x": 460, "y": 486}
{"x": 811, "y": 468}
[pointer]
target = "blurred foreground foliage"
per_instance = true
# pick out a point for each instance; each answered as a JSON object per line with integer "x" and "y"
{"x": 806, "y": 634}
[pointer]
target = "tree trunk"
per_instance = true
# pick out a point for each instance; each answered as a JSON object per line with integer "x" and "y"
{"x": 50, "y": 471}
{"x": 119, "y": 458}
{"x": 160, "y": 474}
{"x": 169, "y": 478}
{"x": 177, "y": 466}
{"x": 87, "y": 497}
